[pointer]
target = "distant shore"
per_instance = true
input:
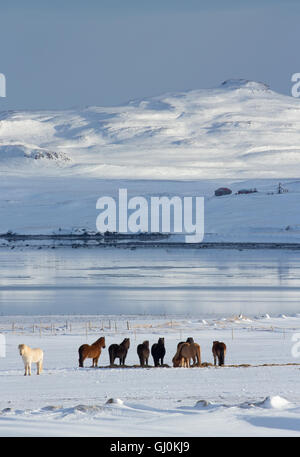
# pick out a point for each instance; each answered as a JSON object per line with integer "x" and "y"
{"x": 130, "y": 241}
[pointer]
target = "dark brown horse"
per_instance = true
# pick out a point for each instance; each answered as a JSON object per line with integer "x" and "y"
{"x": 143, "y": 353}
{"x": 219, "y": 351}
{"x": 92, "y": 351}
{"x": 119, "y": 351}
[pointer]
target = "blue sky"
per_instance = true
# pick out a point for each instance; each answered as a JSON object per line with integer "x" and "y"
{"x": 62, "y": 54}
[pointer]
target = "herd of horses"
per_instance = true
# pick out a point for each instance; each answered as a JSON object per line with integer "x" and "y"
{"x": 188, "y": 353}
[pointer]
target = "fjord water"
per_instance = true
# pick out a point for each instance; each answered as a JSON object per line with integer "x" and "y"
{"x": 189, "y": 282}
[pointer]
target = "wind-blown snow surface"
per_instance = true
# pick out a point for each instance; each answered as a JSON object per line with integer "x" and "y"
{"x": 66, "y": 400}
{"x": 240, "y": 129}
{"x": 54, "y": 165}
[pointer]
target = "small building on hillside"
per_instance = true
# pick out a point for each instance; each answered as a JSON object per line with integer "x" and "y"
{"x": 222, "y": 191}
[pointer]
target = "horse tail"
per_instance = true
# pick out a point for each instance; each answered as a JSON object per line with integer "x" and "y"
{"x": 111, "y": 357}
{"x": 199, "y": 354}
{"x": 222, "y": 355}
{"x": 81, "y": 359}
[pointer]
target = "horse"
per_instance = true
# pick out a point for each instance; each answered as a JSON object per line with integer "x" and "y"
{"x": 219, "y": 351}
{"x": 176, "y": 360}
{"x": 186, "y": 351}
{"x": 143, "y": 353}
{"x": 92, "y": 351}
{"x": 119, "y": 350}
{"x": 30, "y": 356}
{"x": 158, "y": 352}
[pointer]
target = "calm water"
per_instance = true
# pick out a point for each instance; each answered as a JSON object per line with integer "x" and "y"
{"x": 121, "y": 281}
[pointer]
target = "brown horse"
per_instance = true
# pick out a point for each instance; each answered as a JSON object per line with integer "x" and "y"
{"x": 185, "y": 352}
{"x": 92, "y": 351}
{"x": 119, "y": 351}
{"x": 219, "y": 351}
{"x": 143, "y": 353}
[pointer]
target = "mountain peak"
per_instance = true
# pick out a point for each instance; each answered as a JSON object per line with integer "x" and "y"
{"x": 244, "y": 84}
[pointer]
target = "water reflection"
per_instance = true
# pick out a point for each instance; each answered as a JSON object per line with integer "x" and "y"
{"x": 121, "y": 281}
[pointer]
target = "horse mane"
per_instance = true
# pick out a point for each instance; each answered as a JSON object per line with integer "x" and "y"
{"x": 100, "y": 340}
{"x": 125, "y": 342}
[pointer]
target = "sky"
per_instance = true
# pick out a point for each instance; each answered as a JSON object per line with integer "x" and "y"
{"x": 63, "y": 54}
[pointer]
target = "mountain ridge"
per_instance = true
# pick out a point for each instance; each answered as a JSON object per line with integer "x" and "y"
{"x": 239, "y": 129}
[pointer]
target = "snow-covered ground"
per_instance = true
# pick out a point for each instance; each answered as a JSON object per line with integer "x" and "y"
{"x": 36, "y": 205}
{"x": 229, "y": 401}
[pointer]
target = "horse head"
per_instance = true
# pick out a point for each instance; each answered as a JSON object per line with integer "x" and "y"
{"x": 101, "y": 342}
{"x": 21, "y": 348}
{"x": 126, "y": 343}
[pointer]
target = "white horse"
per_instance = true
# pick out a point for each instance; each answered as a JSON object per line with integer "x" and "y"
{"x": 30, "y": 356}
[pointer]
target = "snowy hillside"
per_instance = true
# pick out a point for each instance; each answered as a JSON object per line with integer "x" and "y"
{"x": 54, "y": 165}
{"x": 240, "y": 129}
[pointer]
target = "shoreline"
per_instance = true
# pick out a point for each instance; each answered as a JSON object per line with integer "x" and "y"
{"x": 75, "y": 241}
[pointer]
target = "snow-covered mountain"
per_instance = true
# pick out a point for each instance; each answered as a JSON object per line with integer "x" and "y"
{"x": 239, "y": 129}
{"x": 54, "y": 165}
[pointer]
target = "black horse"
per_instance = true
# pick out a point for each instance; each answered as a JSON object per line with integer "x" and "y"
{"x": 158, "y": 352}
{"x": 119, "y": 350}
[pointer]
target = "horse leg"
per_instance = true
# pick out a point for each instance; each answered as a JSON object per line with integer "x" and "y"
{"x": 29, "y": 368}
{"x": 215, "y": 360}
{"x": 39, "y": 367}
{"x": 111, "y": 358}
{"x": 26, "y": 369}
